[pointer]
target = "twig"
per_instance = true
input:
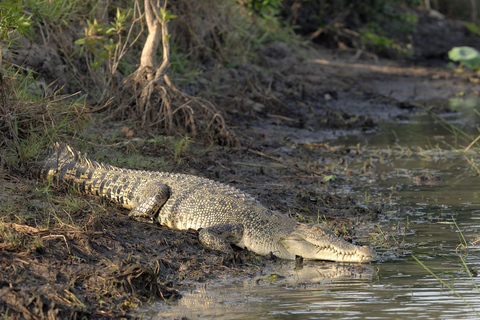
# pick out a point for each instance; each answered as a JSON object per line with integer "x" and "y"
{"x": 54, "y": 236}
{"x": 281, "y": 117}
{"x": 471, "y": 144}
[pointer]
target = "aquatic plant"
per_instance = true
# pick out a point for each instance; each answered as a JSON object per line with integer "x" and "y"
{"x": 467, "y": 56}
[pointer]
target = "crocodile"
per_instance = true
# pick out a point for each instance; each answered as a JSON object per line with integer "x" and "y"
{"x": 223, "y": 214}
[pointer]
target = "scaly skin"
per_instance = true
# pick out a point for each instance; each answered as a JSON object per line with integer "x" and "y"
{"x": 223, "y": 214}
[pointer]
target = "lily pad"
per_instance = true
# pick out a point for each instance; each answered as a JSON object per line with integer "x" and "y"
{"x": 467, "y": 56}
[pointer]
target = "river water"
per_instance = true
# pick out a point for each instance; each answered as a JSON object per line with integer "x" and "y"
{"x": 427, "y": 221}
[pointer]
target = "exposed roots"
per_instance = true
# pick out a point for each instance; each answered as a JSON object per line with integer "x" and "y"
{"x": 153, "y": 101}
{"x": 159, "y": 104}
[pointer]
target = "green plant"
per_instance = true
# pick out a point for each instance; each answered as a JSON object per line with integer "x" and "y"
{"x": 379, "y": 26}
{"x": 183, "y": 67}
{"x": 11, "y": 19}
{"x": 374, "y": 38}
{"x": 262, "y": 8}
{"x": 101, "y": 41}
{"x": 467, "y": 56}
{"x": 473, "y": 28}
{"x": 103, "y": 47}
{"x": 58, "y": 13}
{"x": 180, "y": 147}
{"x": 376, "y": 41}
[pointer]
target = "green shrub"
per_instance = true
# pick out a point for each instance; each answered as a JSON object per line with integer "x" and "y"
{"x": 12, "y": 19}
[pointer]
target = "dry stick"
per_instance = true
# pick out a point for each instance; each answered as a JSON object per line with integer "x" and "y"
{"x": 87, "y": 232}
{"x": 471, "y": 144}
{"x": 53, "y": 236}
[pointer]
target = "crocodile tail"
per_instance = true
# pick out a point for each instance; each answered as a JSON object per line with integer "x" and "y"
{"x": 60, "y": 150}
{"x": 61, "y": 153}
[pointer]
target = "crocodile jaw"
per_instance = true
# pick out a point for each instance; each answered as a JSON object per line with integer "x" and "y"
{"x": 313, "y": 242}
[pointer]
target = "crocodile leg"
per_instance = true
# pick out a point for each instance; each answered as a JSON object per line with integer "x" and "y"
{"x": 221, "y": 237}
{"x": 147, "y": 207}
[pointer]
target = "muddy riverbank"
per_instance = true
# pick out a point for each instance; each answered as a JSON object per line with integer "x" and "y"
{"x": 99, "y": 264}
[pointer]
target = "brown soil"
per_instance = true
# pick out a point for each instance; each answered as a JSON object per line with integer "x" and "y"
{"x": 111, "y": 265}
{"x": 103, "y": 271}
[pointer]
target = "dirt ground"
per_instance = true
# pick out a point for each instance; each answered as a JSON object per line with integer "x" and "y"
{"x": 112, "y": 264}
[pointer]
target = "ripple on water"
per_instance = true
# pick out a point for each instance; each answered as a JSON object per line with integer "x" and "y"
{"x": 396, "y": 286}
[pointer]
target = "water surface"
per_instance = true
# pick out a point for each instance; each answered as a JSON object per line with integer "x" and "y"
{"x": 424, "y": 221}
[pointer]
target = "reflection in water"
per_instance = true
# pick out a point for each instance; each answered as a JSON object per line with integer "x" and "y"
{"x": 395, "y": 286}
{"x": 401, "y": 289}
{"x": 281, "y": 287}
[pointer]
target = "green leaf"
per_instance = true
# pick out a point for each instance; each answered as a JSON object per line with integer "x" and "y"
{"x": 473, "y": 28}
{"x": 11, "y": 19}
{"x": 103, "y": 54}
{"x": 111, "y": 31}
{"x": 468, "y": 56}
{"x": 81, "y": 42}
{"x": 172, "y": 16}
{"x": 166, "y": 16}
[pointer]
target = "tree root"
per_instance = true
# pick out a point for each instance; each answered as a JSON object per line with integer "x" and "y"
{"x": 158, "y": 104}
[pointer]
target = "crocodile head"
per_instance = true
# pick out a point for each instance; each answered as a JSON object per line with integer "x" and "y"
{"x": 312, "y": 242}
